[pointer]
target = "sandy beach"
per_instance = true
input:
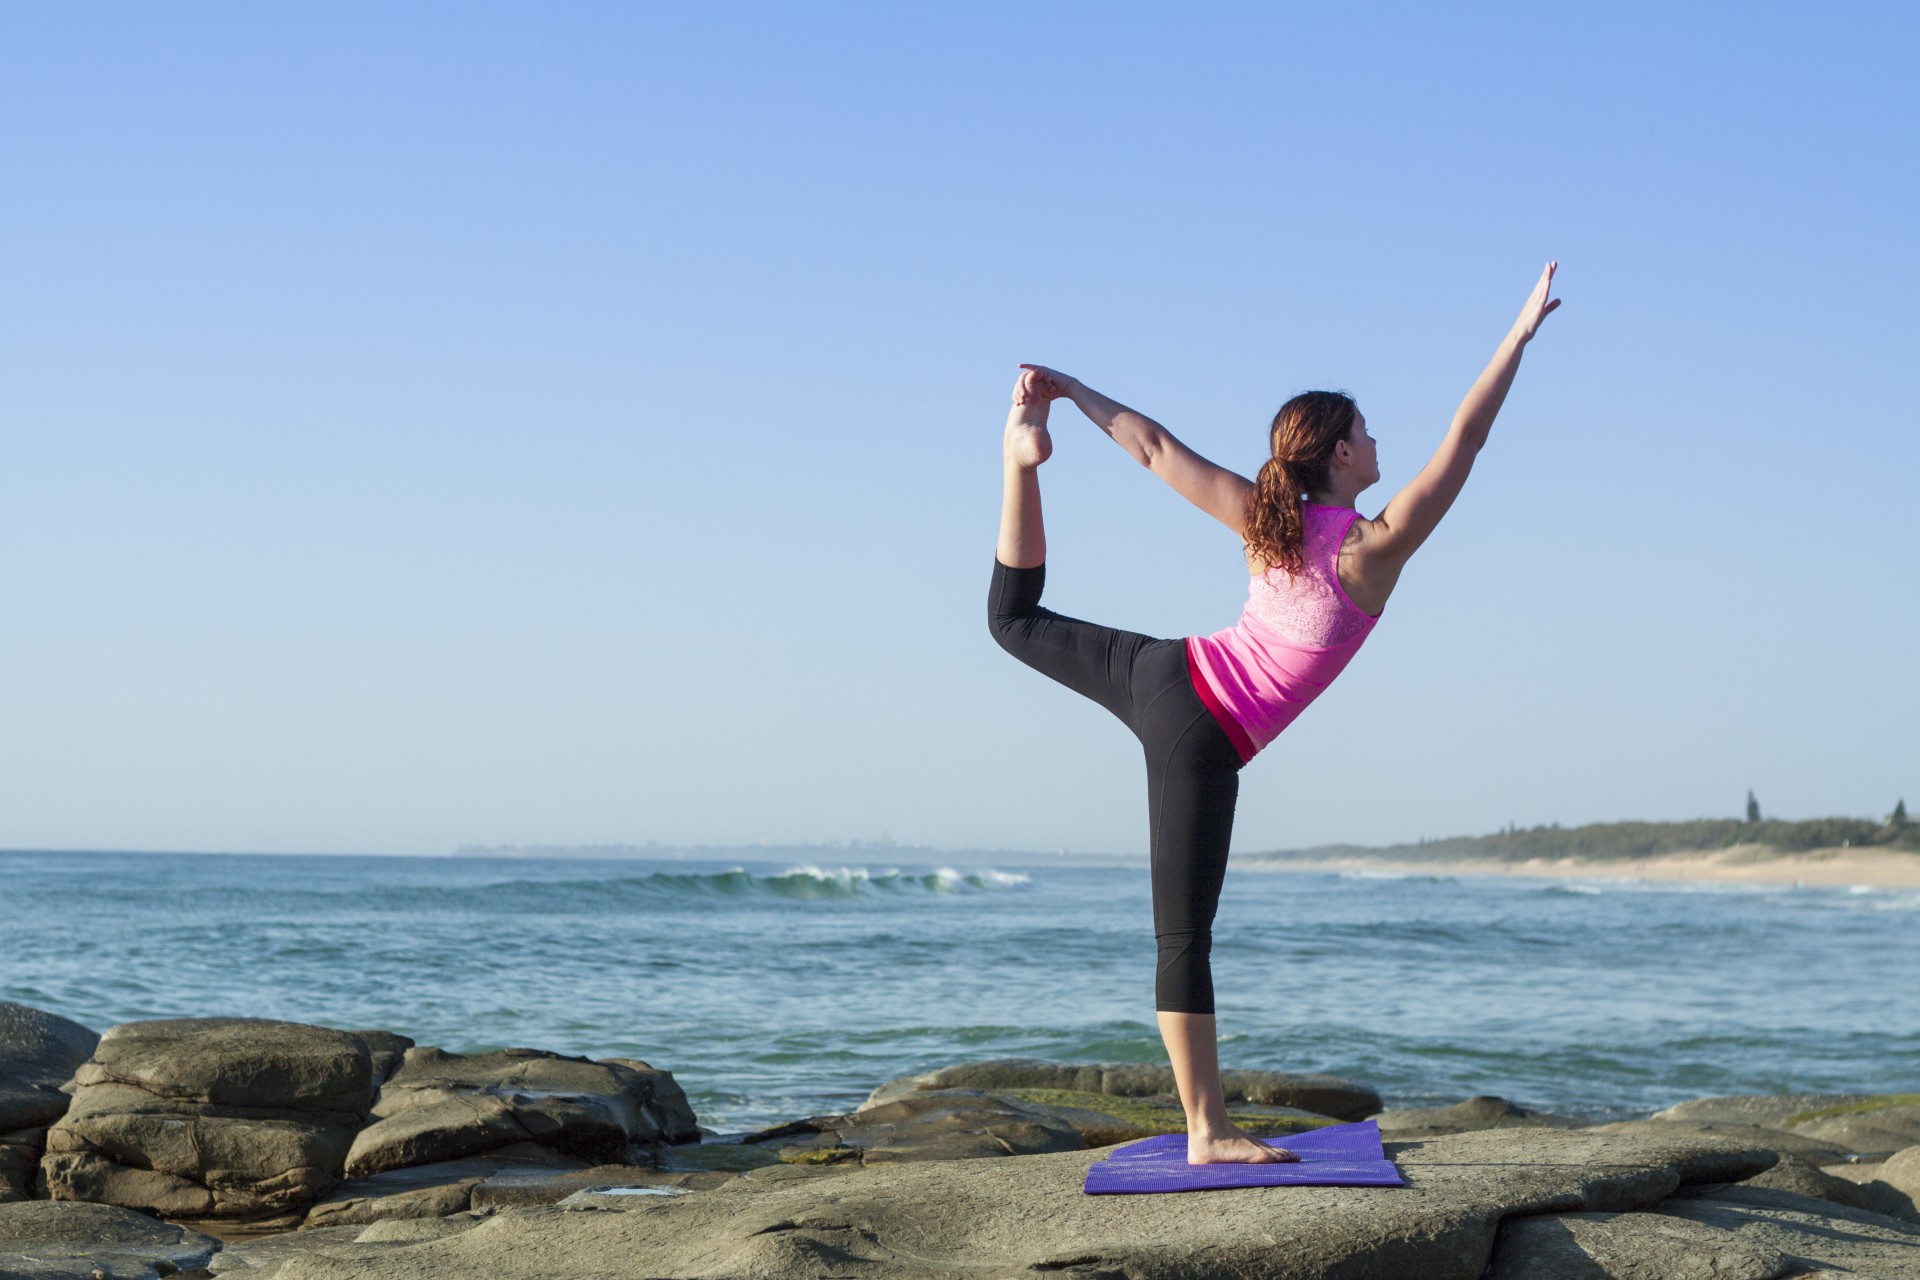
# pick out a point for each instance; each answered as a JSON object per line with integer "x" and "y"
{"x": 1738, "y": 864}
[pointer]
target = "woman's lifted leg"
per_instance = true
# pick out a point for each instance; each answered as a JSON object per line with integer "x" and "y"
{"x": 1023, "y": 538}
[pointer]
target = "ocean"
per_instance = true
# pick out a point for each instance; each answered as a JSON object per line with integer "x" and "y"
{"x": 775, "y": 990}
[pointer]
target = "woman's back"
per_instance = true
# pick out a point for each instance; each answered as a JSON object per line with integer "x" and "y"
{"x": 1297, "y": 632}
{"x": 1311, "y": 608}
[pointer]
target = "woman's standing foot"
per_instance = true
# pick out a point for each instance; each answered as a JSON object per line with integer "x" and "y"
{"x": 1233, "y": 1145}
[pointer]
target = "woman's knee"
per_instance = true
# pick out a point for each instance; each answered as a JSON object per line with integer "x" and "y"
{"x": 1013, "y": 602}
{"x": 1183, "y": 977}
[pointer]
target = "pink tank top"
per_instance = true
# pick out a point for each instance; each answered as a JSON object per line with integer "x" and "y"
{"x": 1295, "y": 635}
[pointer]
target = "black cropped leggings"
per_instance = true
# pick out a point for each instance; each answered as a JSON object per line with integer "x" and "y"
{"x": 1193, "y": 769}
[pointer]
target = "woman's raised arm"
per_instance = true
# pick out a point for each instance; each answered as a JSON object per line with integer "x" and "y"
{"x": 1215, "y": 490}
{"x": 1414, "y": 512}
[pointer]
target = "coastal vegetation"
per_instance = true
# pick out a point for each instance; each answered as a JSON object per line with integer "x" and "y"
{"x": 1631, "y": 840}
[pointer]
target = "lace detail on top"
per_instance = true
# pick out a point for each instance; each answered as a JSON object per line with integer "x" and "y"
{"x": 1310, "y": 609}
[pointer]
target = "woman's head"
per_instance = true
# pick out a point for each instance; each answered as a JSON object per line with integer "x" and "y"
{"x": 1319, "y": 443}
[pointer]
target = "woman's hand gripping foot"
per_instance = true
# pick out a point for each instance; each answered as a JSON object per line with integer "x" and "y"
{"x": 1233, "y": 1145}
{"x": 1028, "y": 444}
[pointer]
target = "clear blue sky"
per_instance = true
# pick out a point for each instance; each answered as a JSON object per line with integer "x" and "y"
{"x": 441, "y": 423}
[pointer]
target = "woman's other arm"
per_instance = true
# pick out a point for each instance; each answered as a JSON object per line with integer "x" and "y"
{"x": 1415, "y": 511}
{"x": 1215, "y": 490}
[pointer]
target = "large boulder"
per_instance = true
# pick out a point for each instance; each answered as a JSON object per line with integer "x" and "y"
{"x": 234, "y": 1119}
{"x": 440, "y": 1106}
{"x": 51, "y": 1240}
{"x": 1320, "y": 1094}
{"x": 972, "y": 1218}
{"x": 39, "y": 1052}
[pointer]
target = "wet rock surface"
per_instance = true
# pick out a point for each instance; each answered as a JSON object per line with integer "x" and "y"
{"x": 1029, "y": 1216}
{"x": 440, "y": 1106}
{"x": 219, "y": 1118}
{"x": 1320, "y": 1094}
{"x": 58, "y": 1240}
{"x": 39, "y": 1052}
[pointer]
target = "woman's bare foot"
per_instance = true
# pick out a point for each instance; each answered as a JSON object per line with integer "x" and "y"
{"x": 1233, "y": 1145}
{"x": 1027, "y": 443}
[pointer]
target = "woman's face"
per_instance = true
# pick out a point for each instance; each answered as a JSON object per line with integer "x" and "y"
{"x": 1363, "y": 460}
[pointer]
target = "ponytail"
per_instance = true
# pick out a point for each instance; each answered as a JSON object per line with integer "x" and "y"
{"x": 1303, "y": 436}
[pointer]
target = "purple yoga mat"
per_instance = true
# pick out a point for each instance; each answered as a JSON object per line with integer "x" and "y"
{"x": 1340, "y": 1155}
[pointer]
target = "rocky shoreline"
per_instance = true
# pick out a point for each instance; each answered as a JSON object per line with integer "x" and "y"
{"x": 220, "y": 1146}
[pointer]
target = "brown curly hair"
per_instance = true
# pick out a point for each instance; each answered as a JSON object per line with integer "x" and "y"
{"x": 1304, "y": 433}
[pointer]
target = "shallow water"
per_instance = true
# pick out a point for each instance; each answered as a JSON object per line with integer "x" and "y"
{"x": 778, "y": 990}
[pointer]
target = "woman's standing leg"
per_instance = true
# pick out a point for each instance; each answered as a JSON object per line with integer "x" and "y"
{"x": 1193, "y": 781}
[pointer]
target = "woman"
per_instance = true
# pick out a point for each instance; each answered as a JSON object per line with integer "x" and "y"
{"x": 1203, "y": 706}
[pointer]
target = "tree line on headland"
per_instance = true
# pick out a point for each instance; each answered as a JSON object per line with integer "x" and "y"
{"x": 1627, "y": 840}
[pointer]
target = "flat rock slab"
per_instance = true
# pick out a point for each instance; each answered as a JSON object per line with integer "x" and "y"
{"x": 1813, "y": 1235}
{"x": 237, "y": 1062}
{"x": 1881, "y": 1131}
{"x": 943, "y": 1124}
{"x": 56, "y": 1240}
{"x": 1863, "y": 1123}
{"x": 428, "y": 1190}
{"x": 440, "y": 1106}
{"x": 1481, "y": 1112}
{"x": 996, "y": 1218}
{"x": 1628, "y": 1246}
{"x": 1784, "y": 1141}
{"x": 1766, "y": 1109}
{"x": 262, "y": 1255}
{"x": 1321, "y": 1094}
{"x": 262, "y": 1258}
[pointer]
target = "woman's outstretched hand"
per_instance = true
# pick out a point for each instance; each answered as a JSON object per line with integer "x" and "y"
{"x": 1538, "y": 307}
{"x": 1041, "y": 383}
